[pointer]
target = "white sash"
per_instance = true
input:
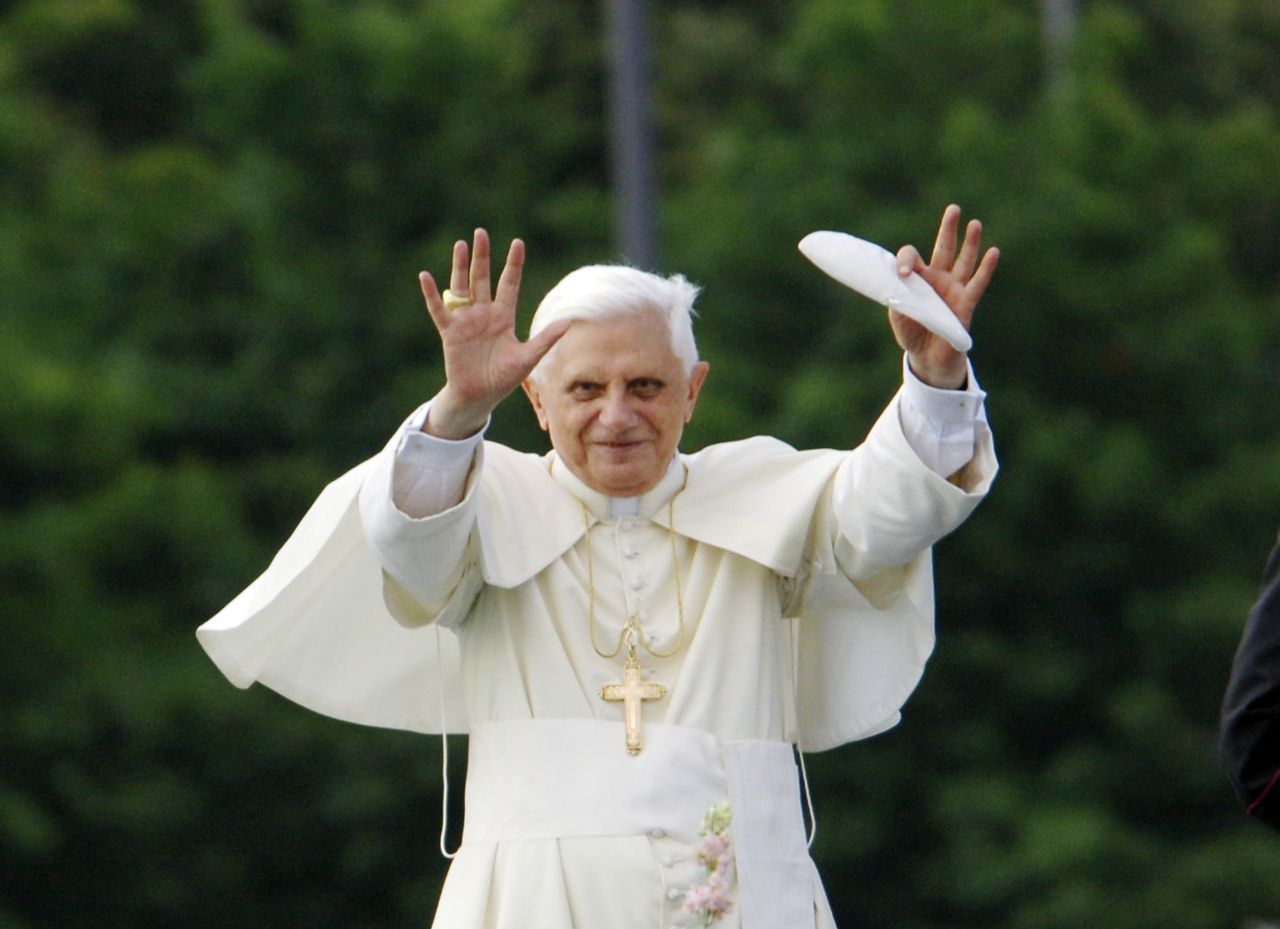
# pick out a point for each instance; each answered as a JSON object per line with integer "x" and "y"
{"x": 541, "y": 779}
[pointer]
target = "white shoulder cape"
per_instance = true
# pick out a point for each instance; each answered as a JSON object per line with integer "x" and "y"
{"x": 314, "y": 626}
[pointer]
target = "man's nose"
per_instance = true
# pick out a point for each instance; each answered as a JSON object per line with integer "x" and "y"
{"x": 617, "y": 413}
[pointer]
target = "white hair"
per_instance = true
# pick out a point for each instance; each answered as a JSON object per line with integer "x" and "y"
{"x": 605, "y": 291}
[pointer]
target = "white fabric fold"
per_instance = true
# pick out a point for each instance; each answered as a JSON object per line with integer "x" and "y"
{"x": 569, "y": 778}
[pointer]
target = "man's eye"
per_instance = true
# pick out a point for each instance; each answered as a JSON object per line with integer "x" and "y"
{"x": 646, "y": 388}
{"x": 584, "y": 391}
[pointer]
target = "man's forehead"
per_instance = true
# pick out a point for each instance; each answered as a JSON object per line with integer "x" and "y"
{"x": 628, "y": 365}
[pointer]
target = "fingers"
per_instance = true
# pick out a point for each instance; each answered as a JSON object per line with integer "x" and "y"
{"x": 977, "y": 285}
{"x": 509, "y": 282}
{"x": 471, "y": 279}
{"x": 480, "y": 268}
{"x": 968, "y": 257}
{"x": 435, "y": 304}
{"x": 961, "y": 267}
{"x": 458, "y": 277}
{"x": 959, "y": 278}
{"x": 544, "y": 341}
{"x": 944, "y": 247}
{"x": 909, "y": 260}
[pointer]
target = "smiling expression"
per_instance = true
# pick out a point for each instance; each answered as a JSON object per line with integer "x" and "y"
{"x": 614, "y": 399}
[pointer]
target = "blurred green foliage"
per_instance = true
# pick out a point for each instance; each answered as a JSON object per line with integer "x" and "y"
{"x": 213, "y": 213}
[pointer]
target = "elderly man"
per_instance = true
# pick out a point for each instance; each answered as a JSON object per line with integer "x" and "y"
{"x": 637, "y": 638}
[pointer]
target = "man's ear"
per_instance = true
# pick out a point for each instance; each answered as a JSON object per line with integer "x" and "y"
{"x": 696, "y": 378}
{"x": 535, "y": 400}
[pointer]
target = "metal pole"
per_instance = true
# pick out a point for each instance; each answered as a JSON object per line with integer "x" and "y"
{"x": 631, "y": 135}
{"x": 1059, "y": 29}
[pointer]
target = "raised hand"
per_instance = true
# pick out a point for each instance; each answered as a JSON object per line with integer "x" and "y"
{"x": 484, "y": 361}
{"x": 960, "y": 280}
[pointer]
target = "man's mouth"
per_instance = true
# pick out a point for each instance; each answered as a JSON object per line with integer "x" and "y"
{"x": 618, "y": 443}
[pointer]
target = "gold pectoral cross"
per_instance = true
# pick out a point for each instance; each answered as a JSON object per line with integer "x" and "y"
{"x": 633, "y": 691}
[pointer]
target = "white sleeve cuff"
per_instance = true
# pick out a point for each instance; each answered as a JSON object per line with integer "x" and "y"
{"x": 940, "y": 425}
{"x": 430, "y": 472}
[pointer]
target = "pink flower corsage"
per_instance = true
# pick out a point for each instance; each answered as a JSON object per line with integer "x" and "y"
{"x": 713, "y": 899}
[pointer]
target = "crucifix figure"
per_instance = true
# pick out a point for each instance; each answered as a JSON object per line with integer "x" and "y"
{"x": 633, "y": 691}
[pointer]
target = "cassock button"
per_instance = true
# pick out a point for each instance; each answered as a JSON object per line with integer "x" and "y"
{"x": 657, "y": 833}
{"x": 630, "y": 553}
{"x": 642, "y": 615}
{"x": 675, "y": 893}
{"x": 637, "y": 583}
{"x": 625, "y": 525}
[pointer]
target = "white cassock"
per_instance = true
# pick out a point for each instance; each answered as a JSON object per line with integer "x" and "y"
{"x": 790, "y": 591}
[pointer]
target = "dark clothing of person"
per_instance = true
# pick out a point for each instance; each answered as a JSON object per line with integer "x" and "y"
{"x": 1250, "y": 725}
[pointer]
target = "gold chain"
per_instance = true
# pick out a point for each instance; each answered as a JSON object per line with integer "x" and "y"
{"x": 632, "y": 632}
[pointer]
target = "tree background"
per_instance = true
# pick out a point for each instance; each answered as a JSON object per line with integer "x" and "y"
{"x": 211, "y": 217}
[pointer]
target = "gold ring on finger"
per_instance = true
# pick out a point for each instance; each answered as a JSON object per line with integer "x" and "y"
{"x": 452, "y": 301}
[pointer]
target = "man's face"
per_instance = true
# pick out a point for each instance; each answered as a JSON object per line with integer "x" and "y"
{"x": 614, "y": 400}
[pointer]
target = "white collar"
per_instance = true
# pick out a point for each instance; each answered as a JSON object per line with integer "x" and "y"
{"x": 602, "y": 506}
